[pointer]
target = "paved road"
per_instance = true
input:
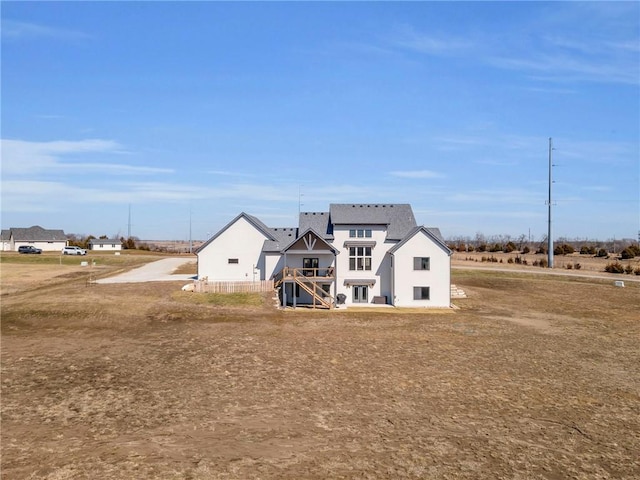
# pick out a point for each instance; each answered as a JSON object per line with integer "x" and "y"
{"x": 158, "y": 271}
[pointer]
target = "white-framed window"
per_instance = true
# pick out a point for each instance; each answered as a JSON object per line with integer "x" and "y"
{"x": 421, "y": 293}
{"x": 233, "y": 260}
{"x": 359, "y": 258}
{"x": 421, "y": 263}
{"x": 360, "y": 233}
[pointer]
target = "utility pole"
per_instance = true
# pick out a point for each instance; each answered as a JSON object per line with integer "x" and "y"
{"x": 190, "y": 241}
{"x": 549, "y": 234}
{"x": 129, "y": 224}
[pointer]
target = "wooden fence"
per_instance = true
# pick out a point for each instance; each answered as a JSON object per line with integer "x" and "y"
{"x": 205, "y": 286}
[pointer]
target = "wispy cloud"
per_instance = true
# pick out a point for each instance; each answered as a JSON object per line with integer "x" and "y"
{"x": 20, "y": 157}
{"x": 418, "y": 174}
{"x": 13, "y": 29}
{"x": 406, "y": 37}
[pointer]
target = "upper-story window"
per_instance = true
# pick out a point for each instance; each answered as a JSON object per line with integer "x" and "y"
{"x": 360, "y": 233}
{"x": 359, "y": 258}
{"x": 421, "y": 263}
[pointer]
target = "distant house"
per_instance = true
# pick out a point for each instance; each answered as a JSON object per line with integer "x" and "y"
{"x": 5, "y": 240}
{"x": 354, "y": 254}
{"x": 36, "y": 236}
{"x": 105, "y": 244}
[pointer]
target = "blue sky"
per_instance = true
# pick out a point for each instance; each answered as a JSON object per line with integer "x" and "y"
{"x": 191, "y": 112}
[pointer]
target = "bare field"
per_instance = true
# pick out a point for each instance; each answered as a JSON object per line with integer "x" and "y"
{"x": 532, "y": 377}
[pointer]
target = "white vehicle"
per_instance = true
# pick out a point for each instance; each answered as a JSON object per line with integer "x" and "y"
{"x": 73, "y": 251}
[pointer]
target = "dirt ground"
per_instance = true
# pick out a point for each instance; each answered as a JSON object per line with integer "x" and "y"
{"x": 531, "y": 377}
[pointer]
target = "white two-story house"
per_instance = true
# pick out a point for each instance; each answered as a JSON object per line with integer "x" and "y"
{"x": 354, "y": 254}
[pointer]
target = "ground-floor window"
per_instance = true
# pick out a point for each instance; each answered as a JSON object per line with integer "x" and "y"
{"x": 421, "y": 293}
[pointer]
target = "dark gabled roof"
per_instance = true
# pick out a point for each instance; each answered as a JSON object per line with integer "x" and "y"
{"x": 261, "y": 227}
{"x": 102, "y": 241}
{"x": 282, "y": 236}
{"x": 398, "y": 217}
{"x": 318, "y": 222}
{"x": 5, "y": 235}
{"x": 37, "y": 234}
{"x": 433, "y": 233}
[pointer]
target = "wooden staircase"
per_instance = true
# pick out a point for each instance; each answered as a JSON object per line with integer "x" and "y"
{"x": 308, "y": 283}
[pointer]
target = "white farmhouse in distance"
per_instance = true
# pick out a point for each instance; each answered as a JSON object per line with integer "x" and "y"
{"x": 105, "y": 244}
{"x": 354, "y": 254}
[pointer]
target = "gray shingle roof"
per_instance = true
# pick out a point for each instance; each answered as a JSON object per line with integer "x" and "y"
{"x": 282, "y": 237}
{"x": 318, "y": 222}
{"x": 104, "y": 241}
{"x": 37, "y": 233}
{"x": 5, "y": 235}
{"x": 399, "y": 217}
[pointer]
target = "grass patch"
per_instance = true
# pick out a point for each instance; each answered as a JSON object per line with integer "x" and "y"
{"x": 190, "y": 268}
{"x": 54, "y": 258}
{"x": 222, "y": 299}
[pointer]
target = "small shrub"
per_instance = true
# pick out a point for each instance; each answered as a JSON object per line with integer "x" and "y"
{"x": 510, "y": 260}
{"x": 602, "y": 253}
{"x": 627, "y": 253}
{"x": 482, "y": 247}
{"x": 509, "y": 247}
{"x": 518, "y": 260}
{"x": 524, "y": 262}
{"x": 543, "y": 263}
{"x": 637, "y": 271}
{"x": 615, "y": 267}
{"x": 526, "y": 249}
{"x": 628, "y": 269}
{"x": 496, "y": 248}
{"x": 569, "y": 266}
{"x": 588, "y": 250}
{"x": 577, "y": 266}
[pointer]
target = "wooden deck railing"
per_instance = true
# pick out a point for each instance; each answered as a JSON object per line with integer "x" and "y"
{"x": 308, "y": 279}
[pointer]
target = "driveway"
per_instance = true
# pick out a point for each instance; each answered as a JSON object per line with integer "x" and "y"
{"x": 158, "y": 271}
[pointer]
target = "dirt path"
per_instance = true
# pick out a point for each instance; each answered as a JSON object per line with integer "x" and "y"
{"x": 158, "y": 271}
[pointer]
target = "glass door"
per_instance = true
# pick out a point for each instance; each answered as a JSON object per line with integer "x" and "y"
{"x": 310, "y": 267}
{"x": 360, "y": 294}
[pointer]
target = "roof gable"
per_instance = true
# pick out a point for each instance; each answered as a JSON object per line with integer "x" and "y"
{"x": 253, "y": 221}
{"x": 432, "y": 233}
{"x": 309, "y": 241}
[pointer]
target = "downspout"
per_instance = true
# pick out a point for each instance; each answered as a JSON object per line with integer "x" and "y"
{"x": 335, "y": 278}
{"x": 393, "y": 280}
{"x": 284, "y": 283}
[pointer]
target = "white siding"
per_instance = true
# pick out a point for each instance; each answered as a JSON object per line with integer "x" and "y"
{"x": 106, "y": 247}
{"x": 44, "y": 246}
{"x": 437, "y": 278}
{"x": 380, "y": 267}
{"x": 273, "y": 263}
{"x": 241, "y": 241}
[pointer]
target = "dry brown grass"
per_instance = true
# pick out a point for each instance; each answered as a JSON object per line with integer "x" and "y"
{"x": 533, "y": 377}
